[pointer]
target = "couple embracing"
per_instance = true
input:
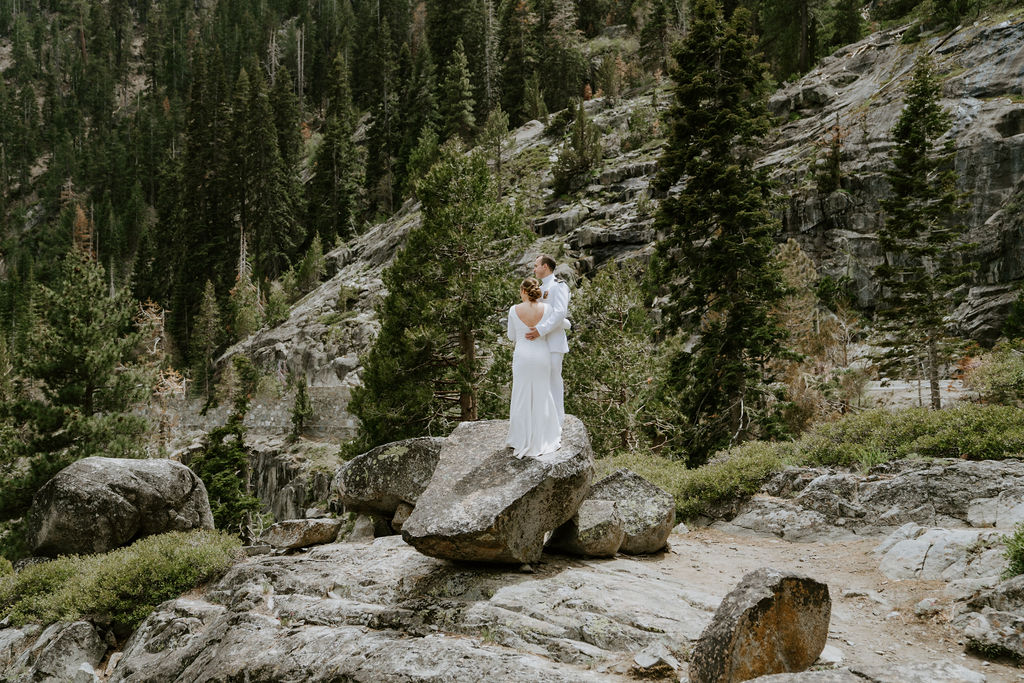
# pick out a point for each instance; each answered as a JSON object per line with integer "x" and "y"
{"x": 537, "y": 327}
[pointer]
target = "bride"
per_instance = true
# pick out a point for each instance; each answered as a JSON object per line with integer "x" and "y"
{"x": 533, "y": 427}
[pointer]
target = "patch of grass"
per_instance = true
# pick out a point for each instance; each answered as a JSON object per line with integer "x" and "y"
{"x": 993, "y": 651}
{"x": 1014, "y": 551}
{"x": 335, "y": 317}
{"x": 120, "y": 587}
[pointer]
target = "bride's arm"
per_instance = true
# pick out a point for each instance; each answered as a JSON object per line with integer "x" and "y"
{"x": 510, "y": 330}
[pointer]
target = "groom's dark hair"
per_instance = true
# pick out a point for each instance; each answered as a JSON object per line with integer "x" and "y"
{"x": 548, "y": 261}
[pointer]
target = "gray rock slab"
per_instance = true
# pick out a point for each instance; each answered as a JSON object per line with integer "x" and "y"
{"x": 772, "y": 622}
{"x": 388, "y": 475}
{"x": 98, "y": 504}
{"x": 60, "y": 651}
{"x": 381, "y": 611}
{"x": 14, "y": 640}
{"x": 648, "y": 512}
{"x": 915, "y": 552}
{"x": 781, "y": 518}
{"x": 594, "y": 531}
{"x": 931, "y": 672}
{"x": 483, "y": 504}
{"x": 301, "y": 533}
{"x": 993, "y": 620}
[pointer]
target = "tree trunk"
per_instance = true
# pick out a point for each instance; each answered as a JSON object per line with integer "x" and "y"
{"x": 467, "y": 394}
{"x": 804, "y": 59}
{"x": 933, "y": 375}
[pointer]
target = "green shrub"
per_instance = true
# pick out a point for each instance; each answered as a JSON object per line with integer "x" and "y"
{"x": 739, "y": 473}
{"x": 120, "y": 587}
{"x": 1014, "y": 552}
{"x": 970, "y": 431}
{"x": 5, "y": 567}
{"x": 999, "y": 376}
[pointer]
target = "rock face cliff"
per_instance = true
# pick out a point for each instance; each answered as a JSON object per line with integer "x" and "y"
{"x": 860, "y": 88}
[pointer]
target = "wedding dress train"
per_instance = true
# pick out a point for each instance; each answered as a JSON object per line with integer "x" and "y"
{"x": 533, "y": 427}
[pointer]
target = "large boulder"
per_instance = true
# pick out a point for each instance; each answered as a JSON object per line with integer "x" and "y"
{"x": 483, "y": 504}
{"x": 594, "y": 531}
{"x": 383, "y": 478}
{"x": 648, "y": 512}
{"x": 772, "y": 622}
{"x": 98, "y": 504}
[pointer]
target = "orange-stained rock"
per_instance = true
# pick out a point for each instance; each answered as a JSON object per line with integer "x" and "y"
{"x": 772, "y": 622}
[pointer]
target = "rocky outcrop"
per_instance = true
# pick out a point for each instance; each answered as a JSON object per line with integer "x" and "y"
{"x": 59, "y": 653}
{"x": 482, "y": 504}
{"x": 382, "y": 611}
{"x": 385, "y": 477}
{"x": 98, "y": 504}
{"x": 809, "y": 504}
{"x": 915, "y": 552}
{"x": 860, "y": 88}
{"x": 773, "y": 622}
{"x": 648, "y": 512}
{"x": 992, "y": 622}
{"x": 301, "y": 533}
{"x": 594, "y": 531}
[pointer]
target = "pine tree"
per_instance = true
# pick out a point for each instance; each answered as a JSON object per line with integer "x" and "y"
{"x": 847, "y": 22}
{"x": 457, "y": 98}
{"x": 332, "y": 192}
{"x": 246, "y": 307}
{"x": 268, "y": 201}
{"x": 921, "y": 238}
{"x": 418, "y": 106}
{"x": 579, "y": 155}
{"x": 655, "y": 38}
{"x": 444, "y": 288}
{"x": 516, "y": 44}
{"x": 312, "y": 267}
{"x": 495, "y": 138}
{"x": 715, "y": 262}
{"x": 287, "y": 122}
{"x": 384, "y": 134}
{"x": 562, "y": 65}
{"x": 79, "y": 358}
{"x": 302, "y": 409}
{"x": 207, "y": 334}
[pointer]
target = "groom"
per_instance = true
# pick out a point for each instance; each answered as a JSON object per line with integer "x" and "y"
{"x": 556, "y": 295}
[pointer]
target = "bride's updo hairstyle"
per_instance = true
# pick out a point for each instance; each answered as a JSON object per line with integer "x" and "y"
{"x": 532, "y": 288}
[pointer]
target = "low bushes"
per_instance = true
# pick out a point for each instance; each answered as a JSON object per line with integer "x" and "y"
{"x": 120, "y": 587}
{"x": 968, "y": 431}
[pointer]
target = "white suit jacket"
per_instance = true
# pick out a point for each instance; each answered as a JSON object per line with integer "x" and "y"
{"x": 553, "y": 327}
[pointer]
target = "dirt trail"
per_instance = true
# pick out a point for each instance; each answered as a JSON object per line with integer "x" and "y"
{"x": 873, "y": 619}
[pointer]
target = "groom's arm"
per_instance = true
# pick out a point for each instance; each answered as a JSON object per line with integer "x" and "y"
{"x": 559, "y": 309}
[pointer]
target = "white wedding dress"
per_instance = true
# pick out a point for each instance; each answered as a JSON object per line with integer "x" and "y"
{"x": 533, "y": 426}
